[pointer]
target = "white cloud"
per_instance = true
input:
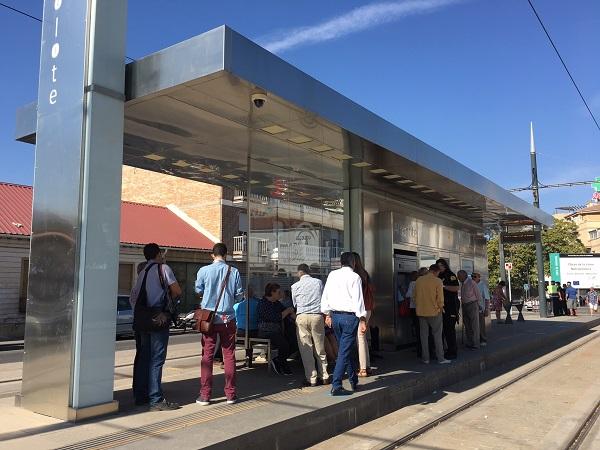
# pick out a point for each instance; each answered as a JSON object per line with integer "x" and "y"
{"x": 356, "y": 20}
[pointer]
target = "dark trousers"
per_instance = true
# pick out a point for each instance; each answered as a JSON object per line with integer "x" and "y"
{"x": 450, "y": 336}
{"x": 151, "y": 352}
{"x": 278, "y": 342}
{"x": 556, "y": 307}
{"x": 225, "y": 332}
{"x": 251, "y": 334}
{"x": 345, "y": 327}
{"x": 417, "y": 331}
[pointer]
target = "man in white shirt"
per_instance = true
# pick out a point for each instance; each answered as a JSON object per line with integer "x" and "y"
{"x": 310, "y": 326}
{"x": 343, "y": 304}
{"x": 470, "y": 298}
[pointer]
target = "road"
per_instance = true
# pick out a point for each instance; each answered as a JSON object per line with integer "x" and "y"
{"x": 13, "y": 352}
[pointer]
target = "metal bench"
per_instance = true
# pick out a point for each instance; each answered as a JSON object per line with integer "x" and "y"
{"x": 259, "y": 343}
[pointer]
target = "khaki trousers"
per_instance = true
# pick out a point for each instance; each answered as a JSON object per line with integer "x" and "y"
{"x": 363, "y": 347}
{"x": 310, "y": 329}
{"x": 436, "y": 325}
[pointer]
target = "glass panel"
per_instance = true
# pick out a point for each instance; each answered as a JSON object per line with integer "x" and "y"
{"x": 294, "y": 218}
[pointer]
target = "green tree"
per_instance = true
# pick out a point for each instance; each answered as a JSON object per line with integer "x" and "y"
{"x": 561, "y": 238}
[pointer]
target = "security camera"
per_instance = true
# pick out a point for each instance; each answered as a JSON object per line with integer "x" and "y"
{"x": 259, "y": 99}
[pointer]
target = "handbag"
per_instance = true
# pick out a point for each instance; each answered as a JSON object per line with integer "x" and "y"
{"x": 146, "y": 318}
{"x": 205, "y": 317}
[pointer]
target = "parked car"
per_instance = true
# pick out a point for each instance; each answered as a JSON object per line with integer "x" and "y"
{"x": 124, "y": 316}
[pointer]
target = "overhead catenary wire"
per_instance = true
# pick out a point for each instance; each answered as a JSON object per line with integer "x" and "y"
{"x": 563, "y": 63}
{"x": 18, "y": 11}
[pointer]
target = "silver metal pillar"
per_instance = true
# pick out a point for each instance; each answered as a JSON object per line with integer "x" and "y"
{"x": 68, "y": 364}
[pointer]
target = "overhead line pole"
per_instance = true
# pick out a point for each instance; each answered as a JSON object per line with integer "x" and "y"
{"x": 538, "y": 244}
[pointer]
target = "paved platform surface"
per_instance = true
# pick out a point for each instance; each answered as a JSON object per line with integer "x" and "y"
{"x": 274, "y": 411}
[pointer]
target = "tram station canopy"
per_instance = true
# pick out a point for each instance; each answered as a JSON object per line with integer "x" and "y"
{"x": 189, "y": 113}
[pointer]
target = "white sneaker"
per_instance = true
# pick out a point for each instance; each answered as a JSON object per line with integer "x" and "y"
{"x": 444, "y": 361}
{"x": 425, "y": 361}
{"x": 202, "y": 401}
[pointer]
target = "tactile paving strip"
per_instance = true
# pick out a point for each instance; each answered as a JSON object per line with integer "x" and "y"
{"x": 177, "y": 423}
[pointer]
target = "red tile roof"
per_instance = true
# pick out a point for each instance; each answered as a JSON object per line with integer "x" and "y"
{"x": 140, "y": 223}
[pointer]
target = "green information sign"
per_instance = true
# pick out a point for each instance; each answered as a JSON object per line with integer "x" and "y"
{"x": 555, "y": 266}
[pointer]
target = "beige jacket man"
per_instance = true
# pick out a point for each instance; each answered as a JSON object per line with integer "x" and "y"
{"x": 429, "y": 301}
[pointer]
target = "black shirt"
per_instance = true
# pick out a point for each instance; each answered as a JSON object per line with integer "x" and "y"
{"x": 451, "y": 302}
{"x": 269, "y": 315}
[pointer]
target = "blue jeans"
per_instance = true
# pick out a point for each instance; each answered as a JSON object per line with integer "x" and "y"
{"x": 151, "y": 352}
{"x": 345, "y": 327}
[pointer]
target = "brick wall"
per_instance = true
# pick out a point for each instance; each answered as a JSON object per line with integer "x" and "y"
{"x": 200, "y": 201}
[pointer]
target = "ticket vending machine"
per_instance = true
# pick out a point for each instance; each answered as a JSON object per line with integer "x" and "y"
{"x": 405, "y": 262}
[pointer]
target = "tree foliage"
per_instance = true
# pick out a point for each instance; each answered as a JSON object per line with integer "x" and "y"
{"x": 561, "y": 238}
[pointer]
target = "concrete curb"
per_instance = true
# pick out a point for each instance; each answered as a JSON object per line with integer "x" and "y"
{"x": 315, "y": 426}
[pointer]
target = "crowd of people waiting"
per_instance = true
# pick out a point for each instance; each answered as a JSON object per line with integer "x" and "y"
{"x": 325, "y": 324}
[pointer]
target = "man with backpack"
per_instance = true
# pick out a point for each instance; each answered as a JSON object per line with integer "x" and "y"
{"x": 150, "y": 299}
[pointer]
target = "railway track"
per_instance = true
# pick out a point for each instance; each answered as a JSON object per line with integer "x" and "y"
{"x": 576, "y": 443}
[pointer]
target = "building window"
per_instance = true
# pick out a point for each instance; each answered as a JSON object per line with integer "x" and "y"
{"x": 23, "y": 285}
{"x": 125, "y": 278}
{"x": 593, "y": 234}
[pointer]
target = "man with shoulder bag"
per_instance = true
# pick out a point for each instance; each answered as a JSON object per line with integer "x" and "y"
{"x": 220, "y": 286}
{"x": 152, "y": 301}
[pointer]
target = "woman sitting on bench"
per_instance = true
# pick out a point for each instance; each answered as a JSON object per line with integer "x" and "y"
{"x": 270, "y": 316}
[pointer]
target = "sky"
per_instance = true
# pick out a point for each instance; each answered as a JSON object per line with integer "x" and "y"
{"x": 465, "y": 76}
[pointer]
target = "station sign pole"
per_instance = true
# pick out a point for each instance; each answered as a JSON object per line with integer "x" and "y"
{"x": 69, "y": 350}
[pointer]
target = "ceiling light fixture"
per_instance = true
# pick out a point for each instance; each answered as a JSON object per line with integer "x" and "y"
{"x": 231, "y": 176}
{"x": 391, "y": 177}
{"x": 274, "y": 129}
{"x": 181, "y": 163}
{"x": 377, "y": 171}
{"x": 417, "y": 186}
{"x": 361, "y": 164}
{"x": 300, "y": 139}
{"x": 428, "y": 191}
{"x": 404, "y": 181}
{"x": 340, "y": 156}
{"x": 322, "y": 148}
{"x": 154, "y": 157}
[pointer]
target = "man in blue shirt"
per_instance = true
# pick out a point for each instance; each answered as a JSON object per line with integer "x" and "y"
{"x": 209, "y": 282}
{"x": 571, "y": 294}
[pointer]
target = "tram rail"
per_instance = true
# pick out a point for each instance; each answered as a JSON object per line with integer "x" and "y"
{"x": 576, "y": 442}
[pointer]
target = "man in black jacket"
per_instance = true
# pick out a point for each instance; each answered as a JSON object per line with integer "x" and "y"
{"x": 451, "y": 307}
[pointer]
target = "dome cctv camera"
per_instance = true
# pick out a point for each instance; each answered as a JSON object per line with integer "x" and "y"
{"x": 259, "y": 99}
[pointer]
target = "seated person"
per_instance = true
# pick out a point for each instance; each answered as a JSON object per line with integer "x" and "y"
{"x": 240, "y": 315}
{"x": 270, "y": 326}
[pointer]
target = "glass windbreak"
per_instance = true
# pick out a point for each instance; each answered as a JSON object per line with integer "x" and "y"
{"x": 293, "y": 219}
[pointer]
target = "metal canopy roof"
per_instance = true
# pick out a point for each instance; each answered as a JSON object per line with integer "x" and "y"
{"x": 189, "y": 113}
